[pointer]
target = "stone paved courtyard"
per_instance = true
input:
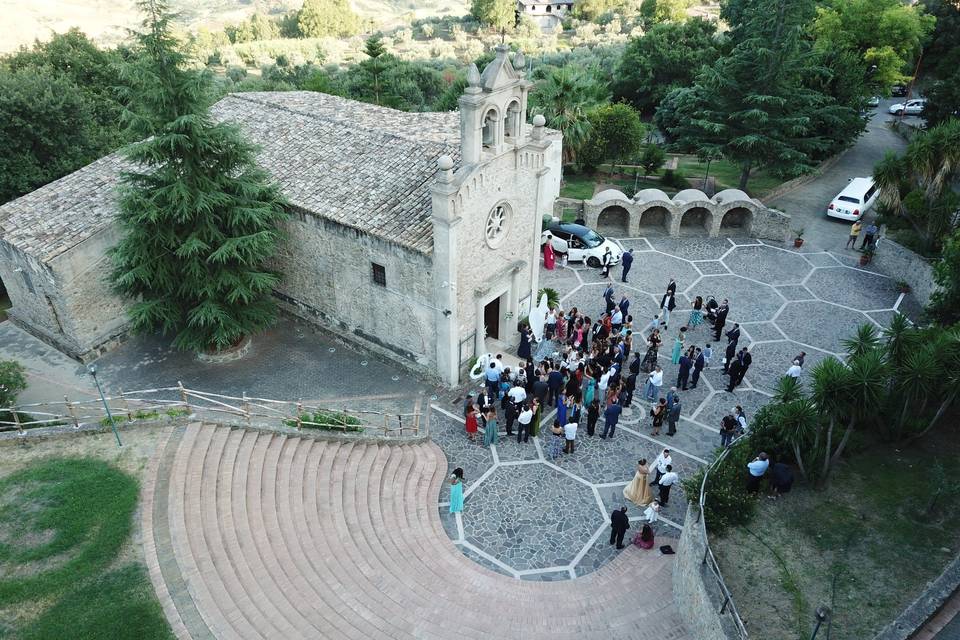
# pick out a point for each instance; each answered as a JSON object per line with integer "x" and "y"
{"x": 534, "y": 518}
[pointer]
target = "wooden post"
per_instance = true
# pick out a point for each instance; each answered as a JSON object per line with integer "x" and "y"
{"x": 183, "y": 397}
{"x": 72, "y": 412}
{"x": 300, "y": 414}
{"x": 246, "y": 408}
{"x": 384, "y": 425}
{"x": 400, "y": 422}
{"x": 16, "y": 419}
{"x": 126, "y": 406}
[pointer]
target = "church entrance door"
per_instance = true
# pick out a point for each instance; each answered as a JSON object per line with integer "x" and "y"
{"x": 491, "y": 319}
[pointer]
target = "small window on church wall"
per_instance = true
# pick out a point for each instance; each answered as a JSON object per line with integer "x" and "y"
{"x": 379, "y": 274}
{"x": 498, "y": 223}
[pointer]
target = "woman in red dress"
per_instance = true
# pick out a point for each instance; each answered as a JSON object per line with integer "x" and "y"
{"x": 549, "y": 259}
{"x": 644, "y": 539}
{"x": 471, "y": 419}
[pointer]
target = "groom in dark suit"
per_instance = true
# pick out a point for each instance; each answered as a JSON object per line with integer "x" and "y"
{"x": 618, "y": 526}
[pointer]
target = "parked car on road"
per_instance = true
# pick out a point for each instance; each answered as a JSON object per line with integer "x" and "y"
{"x": 899, "y": 91}
{"x": 580, "y": 243}
{"x": 855, "y": 200}
{"x": 910, "y": 107}
{"x": 873, "y": 101}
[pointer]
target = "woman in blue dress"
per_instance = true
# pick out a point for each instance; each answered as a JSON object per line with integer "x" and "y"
{"x": 678, "y": 346}
{"x": 456, "y": 491}
{"x": 696, "y": 315}
{"x": 490, "y": 430}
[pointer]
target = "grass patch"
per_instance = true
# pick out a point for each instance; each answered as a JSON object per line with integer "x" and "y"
{"x": 866, "y": 546}
{"x": 63, "y": 524}
{"x": 328, "y": 421}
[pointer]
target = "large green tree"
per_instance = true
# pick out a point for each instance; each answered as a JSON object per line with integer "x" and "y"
{"x": 565, "y": 96}
{"x": 58, "y": 110}
{"x": 666, "y": 57}
{"x": 319, "y": 18}
{"x": 885, "y": 33}
{"x": 659, "y": 11}
{"x": 942, "y": 51}
{"x": 753, "y": 106}
{"x": 616, "y": 134}
{"x": 199, "y": 217}
{"x": 500, "y": 14}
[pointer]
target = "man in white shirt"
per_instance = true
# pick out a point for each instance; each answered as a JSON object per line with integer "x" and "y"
{"x": 667, "y": 480}
{"x": 517, "y": 394}
{"x": 604, "y": 382}
{"x": 523, "y": 423}
{"x": 757, "y": 469}
{"x": 795, "y": 370}
{"x": 570, "y": 435}
{"x": 498, "y": 363}
{"x": 660, "y": 465}
{"x": 654, "y": 381}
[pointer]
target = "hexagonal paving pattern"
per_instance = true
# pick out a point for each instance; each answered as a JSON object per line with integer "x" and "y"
{"x": 749, "y": 301}
{"x": 535, "y": 517}
{"x": 819, "y": 324}
{"x": 767, "y": 264}
{"x": 500, "y": 521}
{"x": 853, "y": 288}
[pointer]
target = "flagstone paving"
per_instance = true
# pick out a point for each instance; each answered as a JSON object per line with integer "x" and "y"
{"x": 533, "y": 517}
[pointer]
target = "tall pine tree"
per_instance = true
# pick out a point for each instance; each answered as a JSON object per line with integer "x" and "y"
{"x": 753, "y": 106}
{"x": 199, "y": 217}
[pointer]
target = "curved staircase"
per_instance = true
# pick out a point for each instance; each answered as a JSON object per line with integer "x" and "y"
{"x": 258, "y": 535}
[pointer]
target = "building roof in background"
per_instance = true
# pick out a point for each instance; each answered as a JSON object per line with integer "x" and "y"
{"x": 360, "y": 165}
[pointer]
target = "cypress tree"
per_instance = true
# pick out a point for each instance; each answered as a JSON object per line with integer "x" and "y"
{"x": 199, "y": 216}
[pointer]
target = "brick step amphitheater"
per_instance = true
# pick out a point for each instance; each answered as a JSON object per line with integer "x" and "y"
{"x": 253, "y": 534}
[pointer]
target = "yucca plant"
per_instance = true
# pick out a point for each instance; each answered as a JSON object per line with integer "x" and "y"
{"x": 867, "y": 338}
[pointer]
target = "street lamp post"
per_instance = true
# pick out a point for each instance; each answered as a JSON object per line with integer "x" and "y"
{"x": 822, "y": 615}
{"x": 93, "y": 371}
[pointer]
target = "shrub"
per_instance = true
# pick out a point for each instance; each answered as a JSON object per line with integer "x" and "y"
{"x": 728, "y": 504}
{"x": 13, "y": 380}
{"x": 674, "y": 179}
{"x": 326, "y": 420}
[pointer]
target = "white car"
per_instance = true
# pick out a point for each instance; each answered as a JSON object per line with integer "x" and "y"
{"x": 910, "y": 107}
{"x": 581, "y": 244}
{"x": 855, "y": 200}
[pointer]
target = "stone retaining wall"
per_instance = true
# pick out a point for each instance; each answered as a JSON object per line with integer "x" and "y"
{"x": 924, "y": 607}
{"x": 694, "y": 589}
{"x": 901, "y": 263}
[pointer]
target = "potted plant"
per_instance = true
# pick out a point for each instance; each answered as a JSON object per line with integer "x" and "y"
{"x": 866, "y": 256}
{"x": 798, "y": 240}
{"x": 903, "y": 286}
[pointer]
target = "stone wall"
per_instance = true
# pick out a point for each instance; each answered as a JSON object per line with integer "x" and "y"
{"x": 694, "y": 588}
{"x": 690, "y": 212}
{"x": 901, "y": 263}
{"x": 913, "y": 618}
{"x": 67, "y": 303}
{"x": 328, "y": 278}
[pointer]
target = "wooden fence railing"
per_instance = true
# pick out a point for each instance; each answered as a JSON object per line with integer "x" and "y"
{"x": 181, "y": 401}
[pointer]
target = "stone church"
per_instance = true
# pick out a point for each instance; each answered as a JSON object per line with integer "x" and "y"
{"x": 414, "y": 233}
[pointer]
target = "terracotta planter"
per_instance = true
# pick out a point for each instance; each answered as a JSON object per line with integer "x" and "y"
{"x": 798, "y": 242}
{"x": 864, "y": 260}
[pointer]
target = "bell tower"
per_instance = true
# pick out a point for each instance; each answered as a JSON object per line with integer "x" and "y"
{"x": 493, "y": 108}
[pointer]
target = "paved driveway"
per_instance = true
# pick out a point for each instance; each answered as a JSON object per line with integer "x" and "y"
{"x": 808, "y": 203}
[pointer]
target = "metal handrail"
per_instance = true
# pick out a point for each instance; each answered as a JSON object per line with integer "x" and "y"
{"x": 129, "y": 405}
{"x": 708, "y": 558}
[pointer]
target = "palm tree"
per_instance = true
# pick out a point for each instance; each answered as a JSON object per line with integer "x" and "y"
{"x": 901, "y": 338}
{"x": 916, "y": 379}
{"x": 948, "y": 373}
{"x": 564, "y": 97}
{"x": 799, "y": 420}
{"x": 866, "y": 339}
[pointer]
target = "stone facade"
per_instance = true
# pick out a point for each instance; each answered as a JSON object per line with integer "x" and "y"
{"x": 692, "y": 585}
{"x": 690, "y": 212}
{"x": 417, "y": 233}
{"x": 66, "y": 302}
{"x": 901, "y": 263}
{"x": 544, "y": 13}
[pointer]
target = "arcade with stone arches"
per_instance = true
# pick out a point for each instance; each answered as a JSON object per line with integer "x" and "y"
{"x": 730, "y": 213}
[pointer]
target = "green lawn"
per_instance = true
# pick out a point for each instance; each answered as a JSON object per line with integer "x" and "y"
{"x": 865, "y": 547}
{"x": 64, "y": 524}
{"x": 725, "y": 173}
